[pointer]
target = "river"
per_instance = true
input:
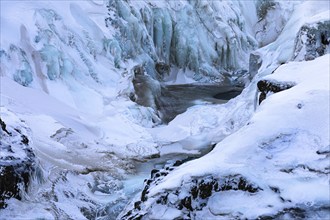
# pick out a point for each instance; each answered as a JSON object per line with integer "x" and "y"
{"x": 175, "y": 99}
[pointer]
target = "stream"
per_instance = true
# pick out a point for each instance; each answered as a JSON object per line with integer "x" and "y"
{"x": 175, "y": 99}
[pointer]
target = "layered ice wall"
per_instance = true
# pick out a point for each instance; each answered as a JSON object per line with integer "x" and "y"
{"x": 52, "y": 41}
{"x": 208, "y": 37}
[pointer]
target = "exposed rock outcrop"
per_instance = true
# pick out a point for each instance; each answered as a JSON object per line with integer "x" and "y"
{"x": 312, "y": 41}
{"x": 267, "y": 87}
{"x": 17, "y": 160}
{"x": 255, "y": 62}
{"x": 147, "y": 90}
{"x": 192, "y": 197}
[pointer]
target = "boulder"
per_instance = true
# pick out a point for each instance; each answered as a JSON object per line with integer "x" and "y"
{"x": 269, "y": 87}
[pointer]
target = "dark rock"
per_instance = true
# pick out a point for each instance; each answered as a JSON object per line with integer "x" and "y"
{"x": 147, "y": 90}
{"x": 144, "y": 194}
{"x": 162, "y": 200}
{"x": 137, "y": 205}
{"x": 199, "y": 190}
{"x": 275, "y": 189}
{"x": 267, "y": 86}
{"x": 25, "y": 140}
{"x": 153, "y": 172}
{"x": 194, "y": 192}
{"x": 18, "y": 165}
{"x": 162, "y": 68}
{"x": 271, "y": 86}
{"x": 3, "y": 127}
{"x": 88, "y": 212}
{"x": 163, "y": 173}
{"x": 323, "y": 152}
{"x": 238, "y": 182}
{"x": 186, "y": 202}
{"x": 262, "y": 97}
{"x": 177, "y": 163}
{"x": 205, "y": 190}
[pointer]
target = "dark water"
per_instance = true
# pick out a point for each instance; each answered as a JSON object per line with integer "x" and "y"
{"x": 175, "y": 99}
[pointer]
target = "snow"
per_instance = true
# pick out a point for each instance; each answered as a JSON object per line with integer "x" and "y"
{"x": 69, "y": 77}
{"x": 226, "y": 202}
{"x": 282, "y": 49}
{"x": 277, "y": 136}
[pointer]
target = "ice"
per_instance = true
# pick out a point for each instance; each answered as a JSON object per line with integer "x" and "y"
{"x": 183, "y": 36}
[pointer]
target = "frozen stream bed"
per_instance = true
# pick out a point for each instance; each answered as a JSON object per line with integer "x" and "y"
{"x": 175, "y": 100}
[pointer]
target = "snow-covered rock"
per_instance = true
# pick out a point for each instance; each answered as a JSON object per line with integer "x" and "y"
{"x": 272, "y": 17}
{"x": 267, "y": 87}
{"x": 18, "y": 163}
{"x": 313, "y": 40}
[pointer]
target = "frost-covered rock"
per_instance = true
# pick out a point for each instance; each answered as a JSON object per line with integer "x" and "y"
{"x": 18, "y": 57}
{"x": 191, "y": 197}
{"x": 272, "y": 17}
{"x": 313, "y": 40}
{"x": 147, "y": 89}
{"x": 289, "y": 43}
{"x": 18, "y": 162}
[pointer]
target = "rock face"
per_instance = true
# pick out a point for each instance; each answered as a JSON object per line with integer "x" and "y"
{"x": 255, "y": 62}
{"x": 312, "y": 41}
{"x": 146, "y": 89}
{"x": 17, "y": 159}
{"x": 272, "y": 17}
{"x": 269, "y": 87}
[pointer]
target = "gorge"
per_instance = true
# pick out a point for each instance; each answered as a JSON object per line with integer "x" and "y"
{"x": 145, "y": 109}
